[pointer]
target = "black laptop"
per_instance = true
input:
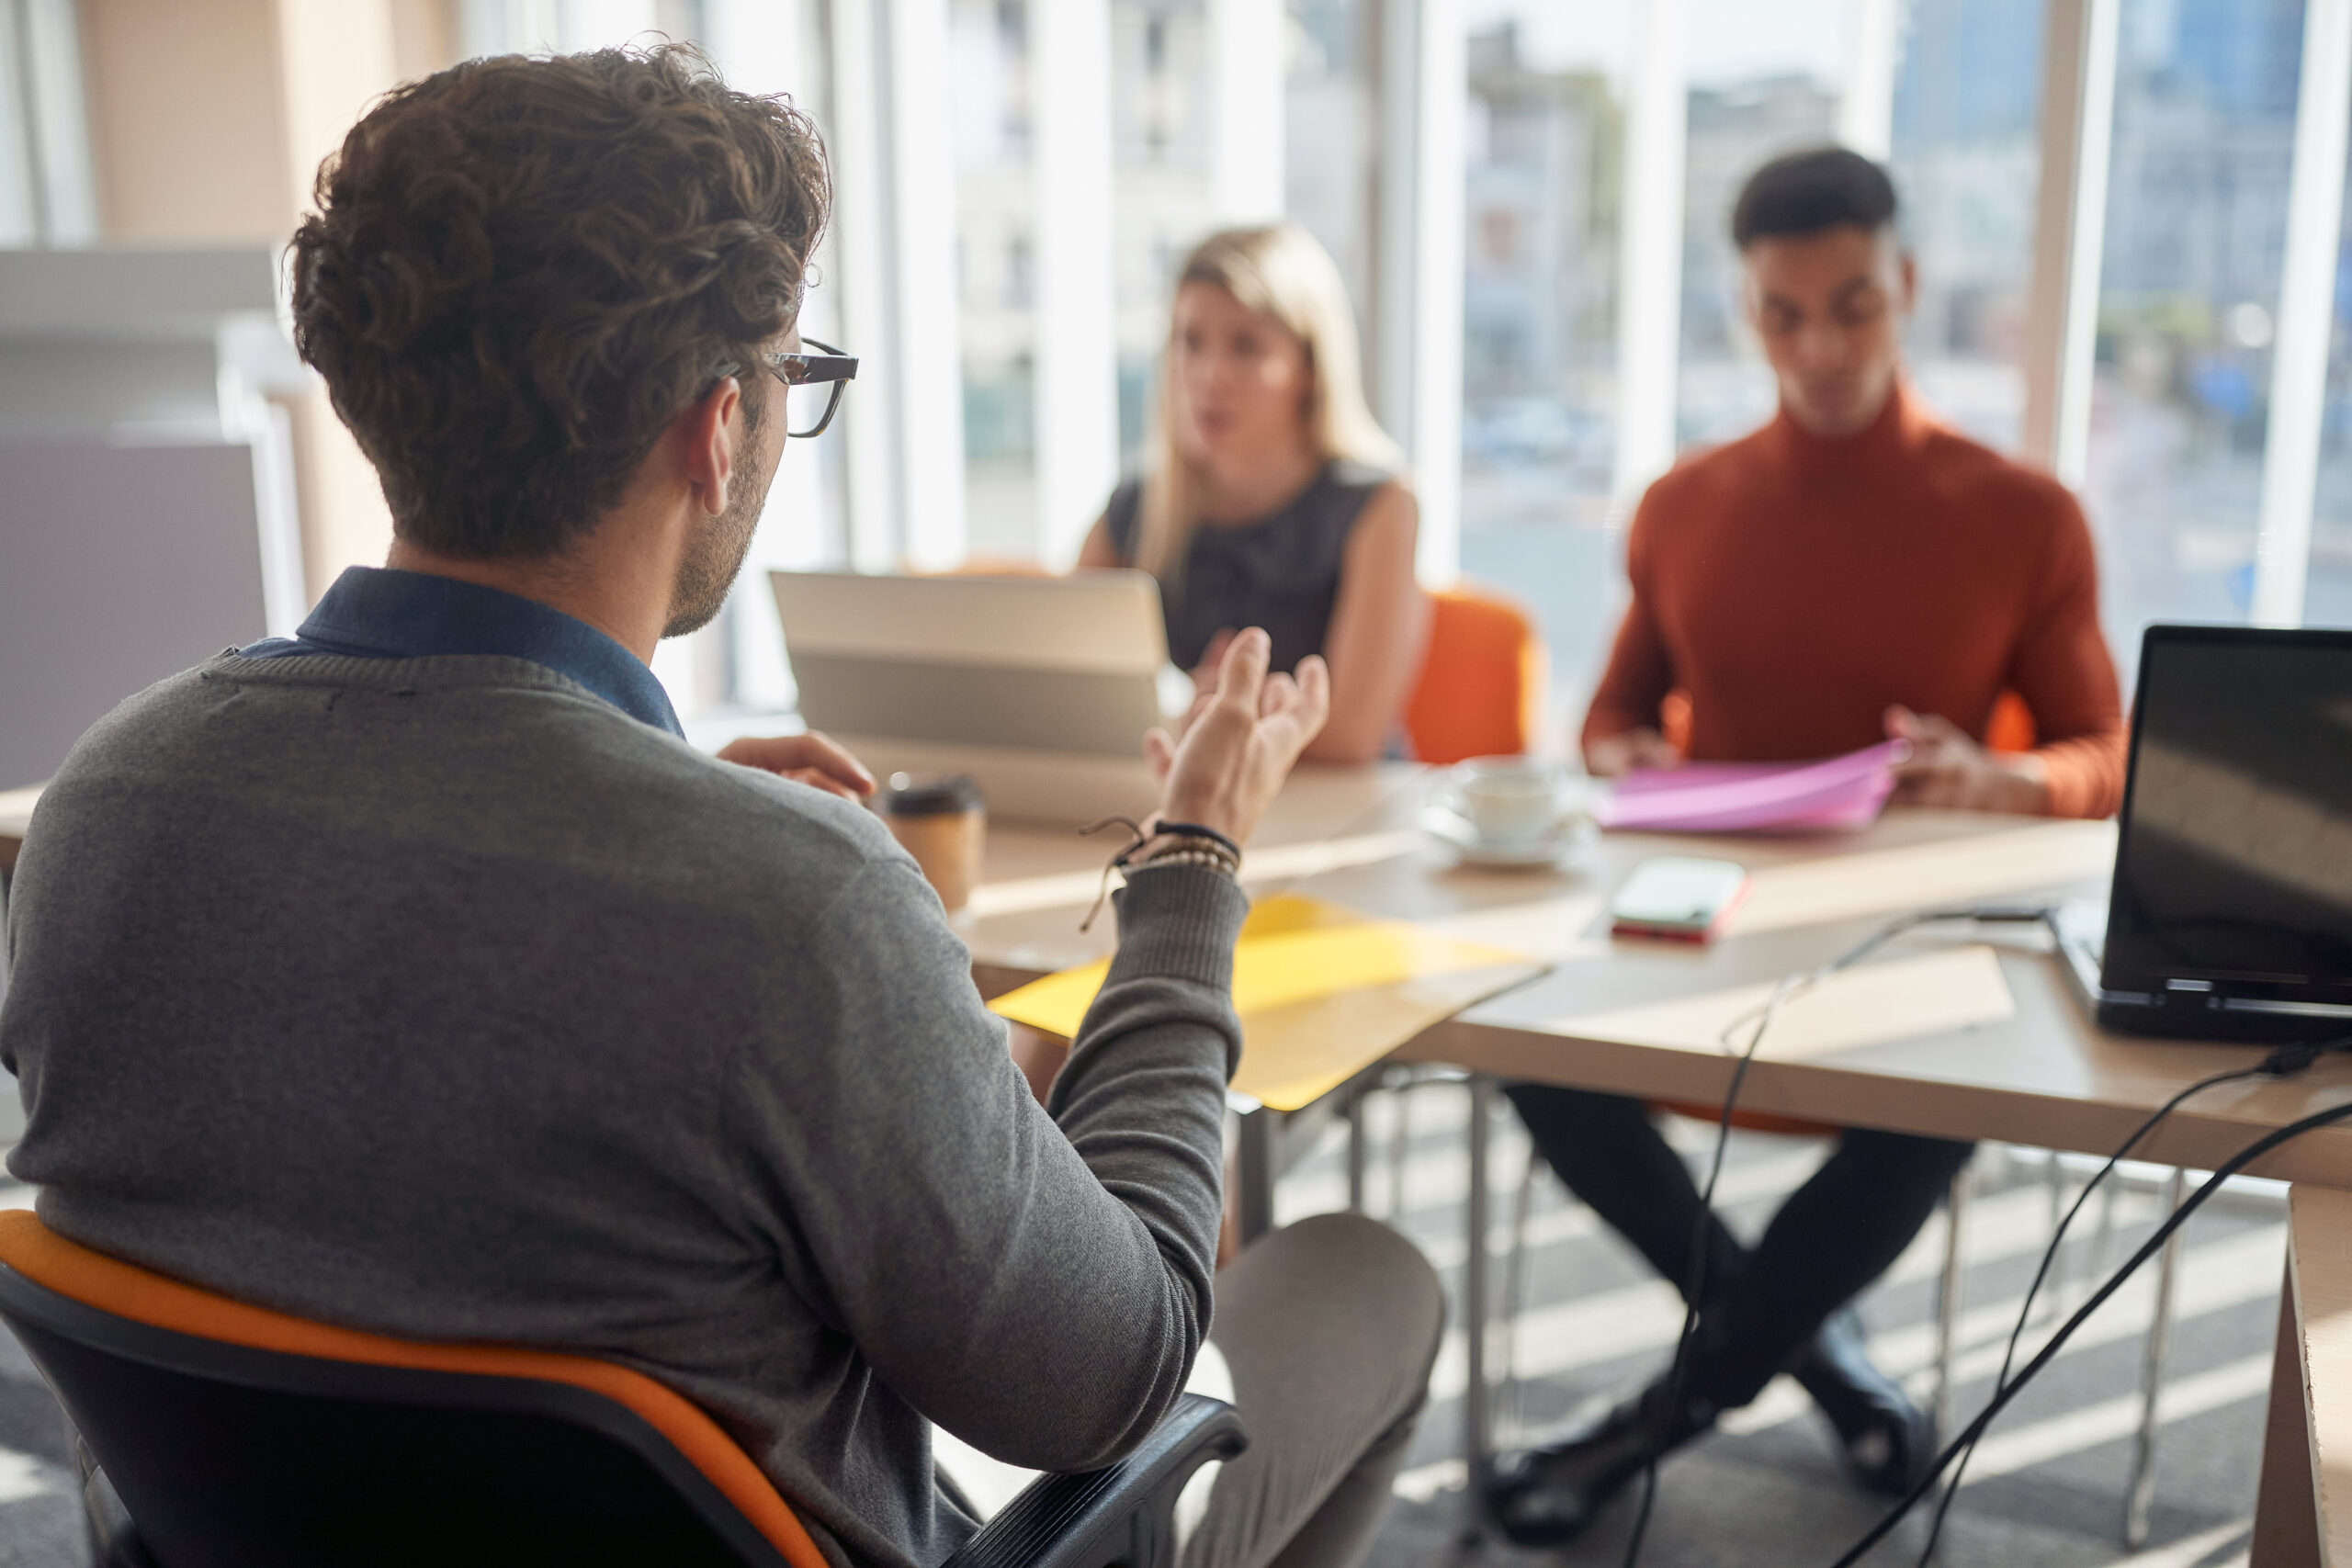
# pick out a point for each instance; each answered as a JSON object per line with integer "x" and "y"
{"x": 2230, "y": 917}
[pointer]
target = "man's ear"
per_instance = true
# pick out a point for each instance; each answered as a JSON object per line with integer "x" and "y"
{"x": 1910, "y": 275}
{"x": 706, "y": 434}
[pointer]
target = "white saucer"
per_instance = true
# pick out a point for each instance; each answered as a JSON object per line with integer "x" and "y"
{"x": 1565, "y": 839}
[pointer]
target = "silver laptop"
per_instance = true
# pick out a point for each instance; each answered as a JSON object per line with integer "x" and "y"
{"x": 2230, "y": 917}
{"x": 1040, "y": 688}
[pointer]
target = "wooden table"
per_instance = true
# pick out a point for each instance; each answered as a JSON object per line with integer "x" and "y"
{"x": 2038, "y": 1073}
{"x": 2042, "y": 1076}
{"x": 2304, "y": 1515}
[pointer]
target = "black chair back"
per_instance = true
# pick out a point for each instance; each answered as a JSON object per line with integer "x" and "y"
{"x": 229, "y": 1457}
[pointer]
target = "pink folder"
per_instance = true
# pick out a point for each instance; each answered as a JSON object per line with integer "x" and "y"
{"x": 1836, "y": 793}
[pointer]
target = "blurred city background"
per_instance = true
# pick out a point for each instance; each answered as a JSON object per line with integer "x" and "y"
{"x": 977, "y": 305}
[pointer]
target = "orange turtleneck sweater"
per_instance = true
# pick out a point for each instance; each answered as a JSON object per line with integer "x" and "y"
{"x": 1795, "y": 586}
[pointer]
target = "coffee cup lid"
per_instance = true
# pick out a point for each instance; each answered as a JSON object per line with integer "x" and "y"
{"x": 930, "y": 794}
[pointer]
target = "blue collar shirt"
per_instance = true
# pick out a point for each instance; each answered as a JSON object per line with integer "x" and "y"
{"x": 378, "y": 612}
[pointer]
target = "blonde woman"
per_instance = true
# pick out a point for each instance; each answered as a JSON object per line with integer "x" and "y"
{"x": 1270, "y": 497}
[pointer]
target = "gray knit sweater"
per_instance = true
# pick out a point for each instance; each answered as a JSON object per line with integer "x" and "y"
{"x": 438, "y": 997}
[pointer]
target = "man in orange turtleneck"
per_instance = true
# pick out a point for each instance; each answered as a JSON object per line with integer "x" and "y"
{"x": 1853, "y": 570}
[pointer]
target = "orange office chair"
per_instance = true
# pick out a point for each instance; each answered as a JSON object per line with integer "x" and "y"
{"x": 2011, "y": 728}
{"x": 984, "y": 566}
{"x": 220, "y": 1435}
{"x": 1481, "y": 690}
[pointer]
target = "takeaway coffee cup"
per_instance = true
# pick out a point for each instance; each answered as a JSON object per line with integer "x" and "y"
{"x": 1509, "y": 801}
{"x": 942, "y": 820}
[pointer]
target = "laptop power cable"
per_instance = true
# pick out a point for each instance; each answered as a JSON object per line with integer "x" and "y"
{"x": 2283, "y": 1061}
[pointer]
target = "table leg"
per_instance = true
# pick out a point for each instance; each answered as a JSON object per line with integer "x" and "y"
{"x": 1947, "y": 1304}
{"x": 1260, "y": 1137}
{"x": 1356, "y": 1150}
{"x": 2141, "y": 1493}
{"x": 1474, "y": 1428}
{"x": 2286, "y": 1509}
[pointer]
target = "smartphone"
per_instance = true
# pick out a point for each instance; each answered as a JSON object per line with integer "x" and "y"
{"x": 1677, "y": 897}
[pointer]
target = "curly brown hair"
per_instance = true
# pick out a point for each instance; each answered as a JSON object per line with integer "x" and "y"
{"x": 521, "y": 270}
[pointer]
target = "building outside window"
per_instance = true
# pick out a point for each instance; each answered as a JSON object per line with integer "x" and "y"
{"x": 1160, "y": 104}
{"x": 2196, "y": 230}
{"x": 1330, "y": 139}
{"x": 995, "y": 215}
{"x": 2328, "y": 592}
{"x": 1543, "y": 144}
{"x": 1760, "y": 86}
{"x": 1967, "y": 160}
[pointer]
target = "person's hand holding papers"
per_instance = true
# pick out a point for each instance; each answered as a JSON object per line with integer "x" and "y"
{"x": 1947, "y": 768}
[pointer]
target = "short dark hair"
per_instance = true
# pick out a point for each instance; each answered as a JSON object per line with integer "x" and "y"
{"x": 1803, "y": 193}
{"x": 521, "y": 271}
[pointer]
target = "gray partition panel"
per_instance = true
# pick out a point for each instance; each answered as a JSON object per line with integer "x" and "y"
{"x": 118, "y": 566}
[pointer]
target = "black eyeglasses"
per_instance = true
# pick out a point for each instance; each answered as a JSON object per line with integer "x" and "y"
{"x": 831, "y": 367}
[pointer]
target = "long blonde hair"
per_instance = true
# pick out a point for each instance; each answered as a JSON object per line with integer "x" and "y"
{"x": 1281, "y": 271}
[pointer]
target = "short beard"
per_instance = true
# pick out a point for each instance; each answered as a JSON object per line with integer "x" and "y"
{"x": 715, "y": 555}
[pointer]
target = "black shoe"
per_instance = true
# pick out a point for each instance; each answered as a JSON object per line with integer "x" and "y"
{"x": 1544, "y": 1497}
{"x": 1888, "y": 1441}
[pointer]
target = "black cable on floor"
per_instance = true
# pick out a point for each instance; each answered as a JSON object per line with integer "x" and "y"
{"x": 2049, "y": 1352}
{"x": 2278, "y": 1064}
{"x": 1763, "y": 1017}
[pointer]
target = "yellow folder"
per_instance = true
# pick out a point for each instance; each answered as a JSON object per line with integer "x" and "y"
{"x": 1323, "y": 993}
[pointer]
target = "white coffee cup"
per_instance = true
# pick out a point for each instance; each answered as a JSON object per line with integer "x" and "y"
{"x": 1510, "y": 800}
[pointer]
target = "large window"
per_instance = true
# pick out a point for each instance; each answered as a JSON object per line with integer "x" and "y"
{"x": 996, "y": 256}
{"x": 1331, "y": 138}
{"x": 1761, "y": 83}
{"x": 1160, "y": 108}
{"x": 2328, "y": 592}
{"x": 1544, "y": 146}
{"x": 1954, "y": 94}
{"x": 1006, "y": 279}
{"x": 1966, "y": 115}
{"x": 2195, "y": 224}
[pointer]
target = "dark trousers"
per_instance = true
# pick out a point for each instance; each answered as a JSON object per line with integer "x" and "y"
{"x": 1761, "y": 1306}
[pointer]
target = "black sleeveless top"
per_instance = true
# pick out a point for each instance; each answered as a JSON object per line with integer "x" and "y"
{"x": 1281, "y": 572}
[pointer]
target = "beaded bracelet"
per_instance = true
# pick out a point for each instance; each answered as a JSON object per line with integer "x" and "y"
{"x": 1196, "y": 830}
{"x": 1185, "y": 854}
{"x": 1184, "y": 843}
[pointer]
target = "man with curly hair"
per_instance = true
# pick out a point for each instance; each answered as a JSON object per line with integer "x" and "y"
{"x": 413, "y": 974}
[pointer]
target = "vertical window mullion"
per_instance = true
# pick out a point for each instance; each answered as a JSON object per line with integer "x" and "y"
{"x": 1076, "y": 322}
{"x": 1247, "y": 46}
{"x": 2062, "y": 327}
{"x": 926, "y": 341}
{"x": 860, "y": 239}
{"x": 2306, "y": 316}
{"x": 1650, "y": 301}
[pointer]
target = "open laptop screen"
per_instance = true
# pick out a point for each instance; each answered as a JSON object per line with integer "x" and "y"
{"x": 2233, "y": 872}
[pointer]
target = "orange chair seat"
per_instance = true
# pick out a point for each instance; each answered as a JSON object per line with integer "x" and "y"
{"x": 2009, "y": 729}
{"x": 125, "y": 1290}
{"x": 1481, "y": 687}
{"x": 1751, "y": 1120}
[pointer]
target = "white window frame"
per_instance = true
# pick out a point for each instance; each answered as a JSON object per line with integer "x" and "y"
{"x": 1419, "y": 248}
{"x": 1076, "y": 340}
{"x": 1649, "y": 265}
{"x": 2305, "y": 328}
